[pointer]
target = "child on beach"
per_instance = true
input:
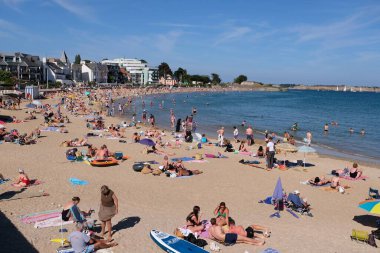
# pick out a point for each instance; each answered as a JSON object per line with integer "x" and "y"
{"x": 236, "y": 134}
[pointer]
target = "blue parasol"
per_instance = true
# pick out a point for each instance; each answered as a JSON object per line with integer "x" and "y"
{"x": 277, "y": 194}
{"x": 147, "y": 142}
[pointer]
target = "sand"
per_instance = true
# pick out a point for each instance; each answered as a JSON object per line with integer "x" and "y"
{"x": 147, "y": 202}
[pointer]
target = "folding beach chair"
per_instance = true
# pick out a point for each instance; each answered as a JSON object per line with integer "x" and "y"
{"x": 373, "y": 193}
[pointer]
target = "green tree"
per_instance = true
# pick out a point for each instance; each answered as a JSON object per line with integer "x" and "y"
{"x": 180, "y": 74}
{"x": 6, "y": 78}
{"x": 77, "y": 59}
{"x": 164, "y": 69}
{"x": 240, "y": 79}
{"x": 215, "y": 79}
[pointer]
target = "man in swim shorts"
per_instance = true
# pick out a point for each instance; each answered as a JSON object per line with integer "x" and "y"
{"x": 253, "y": 231}
{"x": 216, "y": 233}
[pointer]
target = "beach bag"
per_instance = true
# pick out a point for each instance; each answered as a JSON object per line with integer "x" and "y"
{"x": 192, "y": 239}
{"x": 372, "y": 241}
{"x": 198, "y": 156}
{"x": 146, "y": 169}
{"x": 156, "y": 172}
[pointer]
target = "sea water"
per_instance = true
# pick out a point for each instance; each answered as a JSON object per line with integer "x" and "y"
{"x": 277, "y": 111}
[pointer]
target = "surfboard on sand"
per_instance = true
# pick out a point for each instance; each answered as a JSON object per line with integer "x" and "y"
{"x": 172, "y": 244}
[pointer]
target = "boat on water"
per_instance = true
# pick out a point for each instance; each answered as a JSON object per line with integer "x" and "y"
{"x": 345, "y": 88}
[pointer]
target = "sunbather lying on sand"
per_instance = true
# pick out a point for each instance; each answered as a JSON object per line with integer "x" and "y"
{"x": 216, "y": 233}
{"x": 253, "y": 231}
{"x": 22, "y": 180}
{"x": 318, "y": 181}
{"x": 354, "y": 172}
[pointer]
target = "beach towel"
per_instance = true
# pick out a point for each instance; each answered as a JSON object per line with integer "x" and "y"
{"x": 25, "y": 196}
{"x": 215, "y": 156}
{"x": 50, "y": 129}
{"x": 198, "y": 161}
{"x": 347, "y": 177}
{"x": 52, "y": 222}
{"x": 41, "y": 217}
{"x": 245, "y": 153}
{"x": 39, "y": 213}
{"x": 148, "y": 162}
{"x": 4, "y": 181}
{"x": 270, "y": 250}
{"x": 184, "y": 159}
{"x": 329, "y": 189}
{"x": 76, "y": 181}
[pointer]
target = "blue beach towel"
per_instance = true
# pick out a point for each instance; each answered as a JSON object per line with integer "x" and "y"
{"x": 4, "y": 181}
{"x": 270, "y": 250}
{"x": 184, "y": 159}
{"x": 76, "y": 181}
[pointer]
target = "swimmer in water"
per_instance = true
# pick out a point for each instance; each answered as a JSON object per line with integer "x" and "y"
{"x": 362, "y": 132}
{"x": 326, "y": 127}
{"x": 243, "y": 123}
{"x": 351, "y": 130}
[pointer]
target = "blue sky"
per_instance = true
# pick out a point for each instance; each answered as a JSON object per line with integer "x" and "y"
{"x": 311, "y": 42}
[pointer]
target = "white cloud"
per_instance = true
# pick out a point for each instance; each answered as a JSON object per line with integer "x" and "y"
{"x": 82, "y": 11}
{"x": 233, "y": 34}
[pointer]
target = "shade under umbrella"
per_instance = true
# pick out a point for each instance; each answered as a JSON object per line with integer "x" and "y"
{"x": 371, "y": 206}
{"x": 306, "y": 149}
{"x": 286, "y": 147}
{"x": 147, "y": 142}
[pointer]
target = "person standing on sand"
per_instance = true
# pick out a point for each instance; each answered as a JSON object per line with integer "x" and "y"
{"x": 270, "y": 153}
{"x": 236, "y": 134}
{"x": 109, "y": 207}
{"x": 308, "y": 138}
{"x": 249, "y": 133}
{"x": 220, "y": 136}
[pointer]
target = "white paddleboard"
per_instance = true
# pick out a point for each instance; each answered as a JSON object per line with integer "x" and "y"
{"x": 172, "y": 244}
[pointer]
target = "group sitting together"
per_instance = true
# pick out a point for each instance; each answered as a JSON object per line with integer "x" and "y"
{"x": 224, "y": 229}
{"x": 177, "y": 168}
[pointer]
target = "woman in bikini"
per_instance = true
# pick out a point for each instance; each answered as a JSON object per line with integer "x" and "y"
{"x": 222, "y": 214}
{"x": 355, "y": 172}
{"x": 242, "y": 147}
{"x": 194, "y": 221}
{"x": 23, "y": 179}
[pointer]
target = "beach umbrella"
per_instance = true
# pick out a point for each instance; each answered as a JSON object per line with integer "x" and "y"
{"x": 371, "y": 206}
{"x": 277, "y": 193}
{"x": 198, "y": 136}
{"x": 306, "y": 149}
{"x": 37, "y": 102}
{"x": 286, "y": 147}
{"x": 147, "y": 142}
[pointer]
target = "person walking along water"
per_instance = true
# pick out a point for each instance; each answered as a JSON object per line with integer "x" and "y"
{"x": 270, "y": 153}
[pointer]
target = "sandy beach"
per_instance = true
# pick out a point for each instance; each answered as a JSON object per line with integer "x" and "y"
{"x": 157, "y": 202}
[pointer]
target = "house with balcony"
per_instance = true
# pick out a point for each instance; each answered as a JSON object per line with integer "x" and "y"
{"x": 23, "y": 66}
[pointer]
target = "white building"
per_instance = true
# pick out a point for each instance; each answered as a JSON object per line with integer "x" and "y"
{"x": 57, "y": 70}
{"x": 94, "y": 72}
{"x": 139, "y": 71}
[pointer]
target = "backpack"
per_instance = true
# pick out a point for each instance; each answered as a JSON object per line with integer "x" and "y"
{"x": 199, "y": 242}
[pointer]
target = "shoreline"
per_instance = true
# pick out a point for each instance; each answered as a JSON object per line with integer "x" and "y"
{"x": 322, "y": 149}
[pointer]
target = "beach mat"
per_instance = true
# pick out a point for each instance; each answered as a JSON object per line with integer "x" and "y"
{"x": 24, "y": 216}
{"x": 184, "y": 159}
{"x": 41, "y": 217}
{"x": 76, "y": 181}
{"x": 52, "y": 222}
{"x": 148, "y": 162}
{"x": 270, "y": 250}
{"x": 329, "y": 189}
{"x": 22, "y": 196}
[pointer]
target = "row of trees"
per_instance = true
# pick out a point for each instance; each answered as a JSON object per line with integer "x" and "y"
{"x": 183, "y": 77}
{"x": 6, "y": 78}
